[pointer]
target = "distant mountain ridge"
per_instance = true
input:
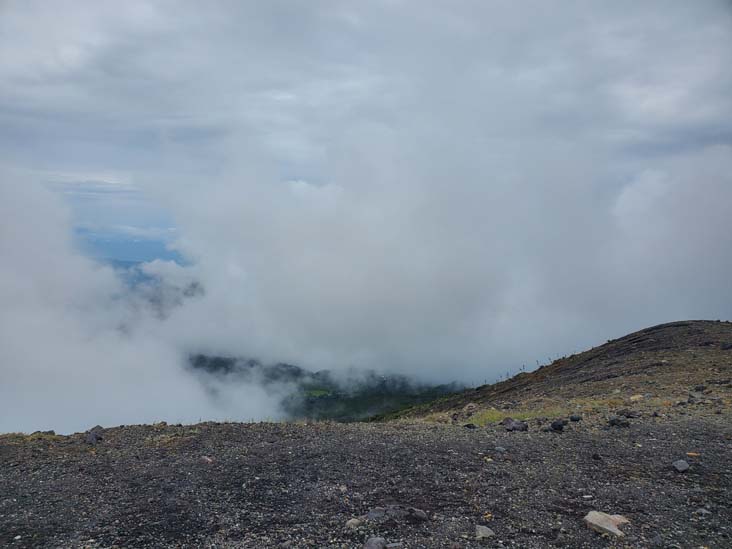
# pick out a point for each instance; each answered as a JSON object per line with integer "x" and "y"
{"x": 355, "y": 395}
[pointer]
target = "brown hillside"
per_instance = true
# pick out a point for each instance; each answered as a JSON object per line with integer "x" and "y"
{"x": 657, "y": 366}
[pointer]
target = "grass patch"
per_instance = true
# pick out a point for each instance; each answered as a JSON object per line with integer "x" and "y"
{"x": 492, "y": 415}
{"x": 21, "y": 438}
{"x": 171, "y": 440}
{"x": 317, "y": 392}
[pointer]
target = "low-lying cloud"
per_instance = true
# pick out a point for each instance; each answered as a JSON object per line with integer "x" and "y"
{"x": 77, "y": 347}
{"x": 445, "y": 191}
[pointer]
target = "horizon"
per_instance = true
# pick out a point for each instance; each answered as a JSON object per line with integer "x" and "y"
{"x": 444, "y": 192}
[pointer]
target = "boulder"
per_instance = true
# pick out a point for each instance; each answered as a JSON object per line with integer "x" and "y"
{"x": 514, "y": 425}
{"x": 558, "y": 425}
{"x": 94, "y": 435}
{"x": 605, "y": 524}
{"x": 397, "y": 513}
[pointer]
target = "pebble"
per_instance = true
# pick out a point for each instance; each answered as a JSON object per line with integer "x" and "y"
{"x": 501, "y": 449}
{"x": 575, "y": 418}
{"x": 630, "y": 414}
{"x": 376, "y": 513}
{"x": 417, "y": 515}
{"x": 681, "y": 465}
{"x": 483, "y": 532}
{"x": 397, "y": 512}
{"x": 375, "y": 543}
{"x": 618, "y": 422}
{"x": 657, "y": 541}
{"x": 353, "y": 523}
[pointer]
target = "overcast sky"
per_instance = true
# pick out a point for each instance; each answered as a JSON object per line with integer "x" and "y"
{"x": 448, "y": 189}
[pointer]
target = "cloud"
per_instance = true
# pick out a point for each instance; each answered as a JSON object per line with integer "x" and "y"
{"x": 451, "y": 191}
{"x": 77, "y": 351}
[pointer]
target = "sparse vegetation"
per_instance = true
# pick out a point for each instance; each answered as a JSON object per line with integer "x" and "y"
{"x": 20, "y": 438}
{"x": 491, "y": 415}
{"x": 171, "y": 440}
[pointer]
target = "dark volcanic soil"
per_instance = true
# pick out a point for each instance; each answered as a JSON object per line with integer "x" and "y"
{"x": 265, "y": 485}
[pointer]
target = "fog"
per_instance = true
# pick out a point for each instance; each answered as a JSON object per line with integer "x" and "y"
{"x": 449, "y": 191}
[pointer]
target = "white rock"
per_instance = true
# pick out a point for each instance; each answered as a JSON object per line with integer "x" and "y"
{"x": 483, "y": 532}
{"x": 353, "y": 523}
{"x": 604, "y": 523}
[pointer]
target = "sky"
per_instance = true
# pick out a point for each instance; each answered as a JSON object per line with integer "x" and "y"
{"x": 446, "y": 190}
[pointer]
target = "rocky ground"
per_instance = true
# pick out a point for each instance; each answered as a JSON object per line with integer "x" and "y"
{"x": 639, "y": 427}
{"x": 412, "y": 484}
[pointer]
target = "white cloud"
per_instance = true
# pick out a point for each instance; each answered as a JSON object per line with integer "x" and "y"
{"x": 448, "y": 190}
{"x": 75, "y": 352}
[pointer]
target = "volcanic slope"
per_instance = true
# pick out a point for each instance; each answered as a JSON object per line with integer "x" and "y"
{"x": 604, "y": 430}
{"x": 658, "y": 366}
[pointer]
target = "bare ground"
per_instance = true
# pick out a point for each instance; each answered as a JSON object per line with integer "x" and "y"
{"x": 264, "y": 485}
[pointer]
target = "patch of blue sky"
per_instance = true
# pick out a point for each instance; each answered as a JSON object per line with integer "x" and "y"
{"x": 118, "y": 247}
{"x": 116, "y": 223}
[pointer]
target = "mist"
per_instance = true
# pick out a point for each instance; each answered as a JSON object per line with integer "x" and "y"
{"x": 450, "y": 192}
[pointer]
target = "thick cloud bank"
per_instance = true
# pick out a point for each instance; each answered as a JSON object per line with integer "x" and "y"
{"x": 77, "y": 349}
{"x": 431, "y": 188}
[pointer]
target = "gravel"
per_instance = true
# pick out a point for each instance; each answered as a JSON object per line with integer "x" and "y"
{"x": 297, "y": 485}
